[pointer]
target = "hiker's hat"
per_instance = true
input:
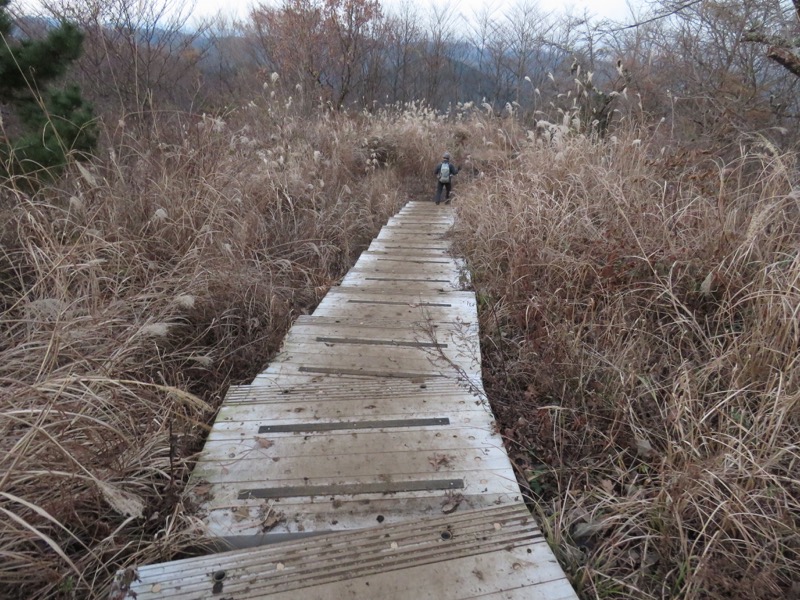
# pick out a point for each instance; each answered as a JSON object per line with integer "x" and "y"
{"x": 446, "y": 156}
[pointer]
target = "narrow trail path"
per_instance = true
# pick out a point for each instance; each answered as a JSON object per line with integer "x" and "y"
{"x": 364, "y": 462}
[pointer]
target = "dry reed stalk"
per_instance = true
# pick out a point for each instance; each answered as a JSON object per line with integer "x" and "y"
{"x": 644, "y": 360}
{"x": 133, "y": 291}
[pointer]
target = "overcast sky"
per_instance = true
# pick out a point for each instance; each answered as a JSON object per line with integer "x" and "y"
{"x": 617, "y": 10}
{"x": 613, "y": 9}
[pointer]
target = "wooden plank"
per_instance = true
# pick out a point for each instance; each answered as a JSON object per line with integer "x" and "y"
{"x": 414, "y": 284}
{"x": 242, "y": 419}
{"x": 407, "y": 313}
{"x": 384, "y": 309}
{"x": 241, "y": 522}
{"x": 281, "y": 467}
{"x": 305, "y": 376}
{"x": 384, "y": 258}
{"x": 354, "y": 425}
{"x": 397, "y": 237}
{"x": 381, "y": 356}
{"x": 560, "y": 589}
{"x": 458, "y": 298}
{"x": 386, "y": 355}
{"x": 460, "y": 409}
{"x": 350, "y": 489}
{"x": 416, "y": 224}
{"x": 404, "y": 278}
{"x": 350, "y": 341}
{"x": 408, "y": 250}
{"x": 469, "y": 577}
{"x": 499, "y": 524}
{"x": 460, "y": 425}
{"x": 342, "y": 366}
{"x": 285, "y": 446}
{"x": 477, "y": 482}
{"x": 477, "y": 489}
{"x": 456, "y": 338}
{"x": 413, "y": 240}
{"x": 408, "y": 272}
{"x": 417, "y": 232}
{"x": 416, "y": 295}
{"x": 311, "y": 375}
{"x": 338, "y": 390}
{"x": 357, "y": 473}
{"x": 413, "y": 330}
{"x": 405, "y": 330}
{"x": 381, "y": 324}
{"x": 355, "y": 468}
{"x": 441, "y": 226}
{"x": 447, "y": 558}
{"x": 405, "y": 269}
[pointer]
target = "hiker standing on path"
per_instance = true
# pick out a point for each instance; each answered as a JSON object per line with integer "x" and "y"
{"x": 444, "y": 174}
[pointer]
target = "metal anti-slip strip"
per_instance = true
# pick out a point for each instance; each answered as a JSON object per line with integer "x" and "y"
{"x": 348, "y": 425}
{"x": 421, "y": 262}
{"x": 348, "y": 489}
{"x": 393, "y": 303}
{"x": 366, "y": 342}
{"x": 365, "y": 373}
{"x": 414, "y": 248}
{"x": 407, "y": 279}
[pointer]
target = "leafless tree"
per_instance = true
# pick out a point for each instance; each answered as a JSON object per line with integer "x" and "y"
{"x": 498, "y": 49}
{"x": 441, "y": 37}
{"x": 479, "y": 32}
{"x": 781, "y": 39}
{"x": 136, "y": 53}
{"x": 404, "y": 41}
{"x": 719, "y": 82}
{"x": 319, "y": 44}
{"x": 527, "y": 26}
{"x": 228, "y": 67}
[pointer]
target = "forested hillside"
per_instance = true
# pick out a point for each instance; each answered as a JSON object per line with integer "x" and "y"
{"x": 175, "y": 192}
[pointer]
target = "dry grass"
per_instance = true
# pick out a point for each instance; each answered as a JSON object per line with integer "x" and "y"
{"x": 640, "y": 320}
{"x": 639, "y": 314}
{"x": 134, "y": 290}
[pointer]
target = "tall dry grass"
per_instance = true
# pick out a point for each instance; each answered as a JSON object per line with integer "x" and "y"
{"x": 639, "y": 313}
{"x": 136, "y": 288}
{"x": 641, "y": 320}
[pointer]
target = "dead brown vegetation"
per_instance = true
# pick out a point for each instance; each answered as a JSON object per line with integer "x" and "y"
{"x": 134, "y": 290}
{"x": 641, "y": 336}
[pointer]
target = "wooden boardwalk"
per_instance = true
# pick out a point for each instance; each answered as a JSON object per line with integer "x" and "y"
{"x": 364, "y": 462}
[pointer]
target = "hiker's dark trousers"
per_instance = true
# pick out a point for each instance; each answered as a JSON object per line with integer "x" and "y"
{"x": 439, "y": 187}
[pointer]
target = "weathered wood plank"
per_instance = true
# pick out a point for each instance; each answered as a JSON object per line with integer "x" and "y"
{"x": 333, "y": 389}
{"x": 475, "y": 554}
{"x": 238, "y": 451}
{"x": 382, "y": 324}
{"x": 474, "y": 483}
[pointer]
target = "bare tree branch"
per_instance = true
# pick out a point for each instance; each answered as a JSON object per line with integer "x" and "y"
{"x": 786, "y": 58}
{"x": 771, "y": 40}
{"x": 674, "y": 11}
{"x": 779, "y": 50}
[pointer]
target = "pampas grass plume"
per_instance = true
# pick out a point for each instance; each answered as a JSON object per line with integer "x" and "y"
{"x": 156, "y": 329}
{"x": 185, "y": 301}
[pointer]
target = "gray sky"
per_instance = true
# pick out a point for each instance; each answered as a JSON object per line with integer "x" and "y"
{"x": 617, "y": 10}
{"x": 613, "y": 9}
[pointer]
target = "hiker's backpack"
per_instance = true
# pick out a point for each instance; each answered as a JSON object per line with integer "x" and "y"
{"x": 444, "y": 173}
